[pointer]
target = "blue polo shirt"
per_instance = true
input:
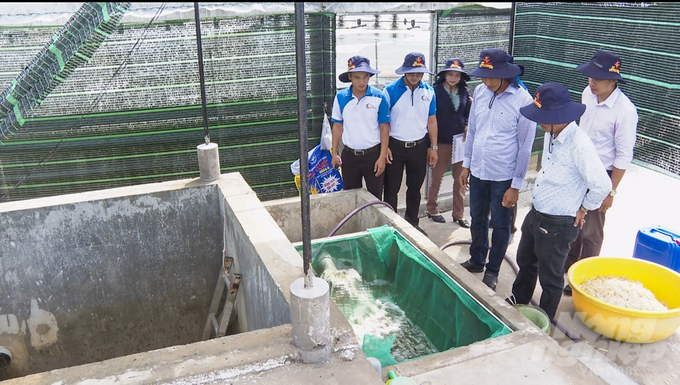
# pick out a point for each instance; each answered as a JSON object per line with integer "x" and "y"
{"x": 409, "y": 110}
{"x": 360, "y": 118}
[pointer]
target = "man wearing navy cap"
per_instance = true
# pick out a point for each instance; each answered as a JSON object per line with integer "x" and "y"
{"x": 572, "y": 181}
{"x": 413, "y": 134}
{"x": 611, "y": 122}
{"x": 361, "y": 120}
{"x": 497, "y": 152}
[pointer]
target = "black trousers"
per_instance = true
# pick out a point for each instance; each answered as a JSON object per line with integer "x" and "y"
{"x": 358, "y": 169}
{"x": 541, "y": 253}
{"x": 414, "y": 161}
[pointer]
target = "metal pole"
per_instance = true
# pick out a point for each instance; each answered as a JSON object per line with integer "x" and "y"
{"x": 512, "y": 26}
{"x": 200, "y": 73}
{"x": 302, "y": 125}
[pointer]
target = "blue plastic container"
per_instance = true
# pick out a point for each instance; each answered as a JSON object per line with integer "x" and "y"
{"x": 659, "y": 245}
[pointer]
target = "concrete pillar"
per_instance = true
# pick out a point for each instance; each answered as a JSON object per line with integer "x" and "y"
{"x": 310, "y": 314}
{"x": 209, "y": 161}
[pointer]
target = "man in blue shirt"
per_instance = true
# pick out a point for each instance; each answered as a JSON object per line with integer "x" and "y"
{"x": 497, "y": 152}
{"x": 571, "y": 182}
{"x": 361, "y": 120}
{"x": 413, "y": 134}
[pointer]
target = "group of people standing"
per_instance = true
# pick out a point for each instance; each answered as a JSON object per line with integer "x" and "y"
{"x": 488, "y": 137}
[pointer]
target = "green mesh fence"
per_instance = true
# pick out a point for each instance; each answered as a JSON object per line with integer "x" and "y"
{"x": 465, "y": 31}
{"x": 133, "y": 113}
{"x": 400, "y": 274}
{"x": 551, "y": 39}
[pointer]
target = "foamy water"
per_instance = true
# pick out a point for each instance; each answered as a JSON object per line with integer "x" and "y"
{"x": 369, "y": 309}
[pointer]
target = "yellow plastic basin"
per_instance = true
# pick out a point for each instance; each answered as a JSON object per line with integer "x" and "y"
{"x": 619, "y": 323}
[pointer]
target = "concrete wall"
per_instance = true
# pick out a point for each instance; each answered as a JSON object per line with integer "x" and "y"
{"x": 92, "y": 276}
{"x": 327, "y": 212}
{"x": 91, "y": 279}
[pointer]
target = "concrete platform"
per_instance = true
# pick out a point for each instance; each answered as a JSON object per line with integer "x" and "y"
{"x": 260, "y": 236}
{"x": 645, "y": 198}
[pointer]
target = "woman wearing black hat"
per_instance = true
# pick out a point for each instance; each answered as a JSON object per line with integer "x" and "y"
{"x": 453, "y": 109}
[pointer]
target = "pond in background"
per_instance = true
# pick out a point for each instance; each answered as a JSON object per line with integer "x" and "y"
{"x": 385, "y": 46}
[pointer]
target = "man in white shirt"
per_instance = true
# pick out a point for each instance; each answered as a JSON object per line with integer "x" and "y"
{"x": 611, "y": 122}
{"x": 413, "y": 134}
{"x": 571, "y": 182}
{"x": 361, "y": 122}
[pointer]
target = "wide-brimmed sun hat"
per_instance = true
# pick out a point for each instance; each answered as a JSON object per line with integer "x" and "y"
{"x": 414, "y": 62}
{"x": 496, "y": 64}
{"x": 357, "y": 64}
{"x": 553, "y": 105}
{"x": 457, "y": 65}
{"x": 603, "y": 65}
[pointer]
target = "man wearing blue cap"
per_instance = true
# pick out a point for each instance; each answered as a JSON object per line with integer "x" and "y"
{"x": 497, "y": 152}
{"x": 413, "y": 134}
{"x": 610, "y": 121}
{"x": 571, "y": 182}
{"x": 361, "y": 120}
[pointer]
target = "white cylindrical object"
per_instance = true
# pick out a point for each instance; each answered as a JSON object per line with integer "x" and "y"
{"x": 209, "y": 161}
{"x": 376, "y": 365}
{"x": 310, "y": 315}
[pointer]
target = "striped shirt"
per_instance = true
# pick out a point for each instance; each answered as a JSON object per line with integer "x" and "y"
{"x": 499, "y": 139}
{"x": 571, "y": 176}
{"x": 360, "y": 118}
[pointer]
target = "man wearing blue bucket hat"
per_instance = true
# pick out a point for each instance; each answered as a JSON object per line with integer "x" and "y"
{"x": 611, "y": 123}
{"x": 413, "y": 134}
{"x": 497, "y": 152}
{"x": 572, "y": 181}
{"x": 361, "y": 121}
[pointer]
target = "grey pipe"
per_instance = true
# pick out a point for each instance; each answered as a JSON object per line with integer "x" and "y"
{"x": 5, "y": 358}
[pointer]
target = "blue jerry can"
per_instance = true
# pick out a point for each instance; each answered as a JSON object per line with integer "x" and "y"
{"x": 659, "y": 245}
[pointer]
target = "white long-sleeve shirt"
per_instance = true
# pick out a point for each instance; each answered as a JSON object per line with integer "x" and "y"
{"x": 611, "y": 125}
{"x": 571, "y": 176}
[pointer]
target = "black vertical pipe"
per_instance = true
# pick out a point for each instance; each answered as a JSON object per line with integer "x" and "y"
{"x": 302, "y": 126}
{"x": 512, "y": 26}
{"x": 200, "y": 73}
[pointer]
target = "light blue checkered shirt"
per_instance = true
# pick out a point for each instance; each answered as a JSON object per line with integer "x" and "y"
{"x": 499, "y": 140}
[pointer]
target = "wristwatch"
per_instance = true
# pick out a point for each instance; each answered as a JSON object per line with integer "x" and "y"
{"x": 585, "y": 210}
{"x": 612, "y": 193}
{"x": 435, "y": 147}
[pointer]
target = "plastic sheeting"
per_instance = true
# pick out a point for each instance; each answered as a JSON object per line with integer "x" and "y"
{"x": 430, "y": 299}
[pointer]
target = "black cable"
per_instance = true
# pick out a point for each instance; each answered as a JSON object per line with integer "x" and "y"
{"x": 515, "y": 268}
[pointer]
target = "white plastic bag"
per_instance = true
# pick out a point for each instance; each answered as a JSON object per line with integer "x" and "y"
{"x": 326, "y": 134}
{"x": 326, "y": 144}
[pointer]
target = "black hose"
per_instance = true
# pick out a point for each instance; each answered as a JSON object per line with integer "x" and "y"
{"x": 515, "y": 268}
{"x": 344, "y": 220}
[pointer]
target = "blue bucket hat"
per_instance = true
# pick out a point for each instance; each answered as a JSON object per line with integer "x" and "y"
{"x": 496, "y": 64}
{"x": 553, "y": 105}
{"x": 357, "y": 64}
{"x": 603, "y": 65}
{"x": 413, "y": 63}
{"x": 455, "y": 64}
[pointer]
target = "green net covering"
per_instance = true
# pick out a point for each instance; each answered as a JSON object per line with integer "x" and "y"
{"x": 401, "y": 305}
